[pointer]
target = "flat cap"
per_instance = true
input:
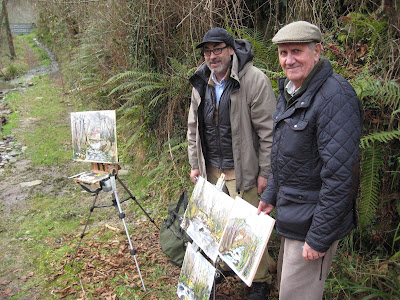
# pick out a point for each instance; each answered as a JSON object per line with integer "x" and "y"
{"x": 298, "y": 32}
{"x": 217, "y": 35}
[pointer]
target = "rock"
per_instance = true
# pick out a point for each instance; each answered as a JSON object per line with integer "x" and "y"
{"x": 31, "y": 183}
{"x": 123, "y": 172}
{"x": 13, "y": 153}
{"x": 12, "y": 160}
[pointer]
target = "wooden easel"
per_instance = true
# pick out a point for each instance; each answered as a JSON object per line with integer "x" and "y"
{"x": 106, "y": 168}
{"x": 98, "y": 173}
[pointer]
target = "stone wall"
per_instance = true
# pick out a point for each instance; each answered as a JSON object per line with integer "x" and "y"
{"x": 21, "y": 12}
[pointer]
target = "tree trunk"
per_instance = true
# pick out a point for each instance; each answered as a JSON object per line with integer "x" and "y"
{"x": 8, "y": 30}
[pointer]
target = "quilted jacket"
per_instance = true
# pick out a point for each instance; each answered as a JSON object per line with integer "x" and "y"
{"x": 315, "y": 161}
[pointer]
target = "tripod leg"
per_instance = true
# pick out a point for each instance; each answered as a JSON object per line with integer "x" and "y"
{"x": 134, "y": 198}
{"x": 84, "y": 229}
{"x": 122, "y": 217}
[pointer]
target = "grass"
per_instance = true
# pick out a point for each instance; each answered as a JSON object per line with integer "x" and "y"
{"x": 28, "y": 55}
{"x": 41, "y": 107}
{"x": 39, "y": 240}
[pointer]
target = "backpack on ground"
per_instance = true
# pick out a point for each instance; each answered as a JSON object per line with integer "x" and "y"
{"x": 173, "y": 238}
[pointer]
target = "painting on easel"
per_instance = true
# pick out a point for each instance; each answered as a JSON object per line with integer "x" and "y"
{"x": 94, "y": 136}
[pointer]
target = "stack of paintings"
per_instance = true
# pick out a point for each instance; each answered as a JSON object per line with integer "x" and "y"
{"x": 222, "y": 227}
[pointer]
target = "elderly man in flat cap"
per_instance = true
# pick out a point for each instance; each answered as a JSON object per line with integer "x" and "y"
{"x": 314, "y": 162}
{"x": 230, "y": 126}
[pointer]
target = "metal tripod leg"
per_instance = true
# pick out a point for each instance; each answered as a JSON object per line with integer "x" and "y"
{"x": 134, "y": 198}
{"x": 122, "y": 217}
{"x": 86, "y": 224}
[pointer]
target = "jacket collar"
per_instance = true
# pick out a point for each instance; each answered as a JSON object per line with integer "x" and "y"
{"x": 307, "y": 97}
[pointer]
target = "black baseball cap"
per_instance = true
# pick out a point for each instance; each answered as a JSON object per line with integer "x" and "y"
{"x": 217, "y": 35}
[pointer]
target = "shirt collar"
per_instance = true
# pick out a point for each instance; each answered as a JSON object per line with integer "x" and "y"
{"x": 290, "y": 88}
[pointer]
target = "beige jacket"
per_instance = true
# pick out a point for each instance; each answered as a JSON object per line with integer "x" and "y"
{"x": 252, "y": 106}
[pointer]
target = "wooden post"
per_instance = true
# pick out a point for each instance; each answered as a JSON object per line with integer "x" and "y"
{"x": 8, "y": 30}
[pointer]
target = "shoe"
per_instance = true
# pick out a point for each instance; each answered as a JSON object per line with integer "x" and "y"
{"x": 221, "y": 274}
{"x": 259, "y": 291}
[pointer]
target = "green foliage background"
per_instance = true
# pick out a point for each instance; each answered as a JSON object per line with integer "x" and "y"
{"x": 136, "y": 57}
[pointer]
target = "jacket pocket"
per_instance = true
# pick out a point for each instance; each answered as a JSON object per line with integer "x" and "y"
{"x": 295, "y": 211}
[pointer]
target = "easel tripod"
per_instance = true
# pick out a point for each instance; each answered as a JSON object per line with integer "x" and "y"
{"x": 109, "y": 184}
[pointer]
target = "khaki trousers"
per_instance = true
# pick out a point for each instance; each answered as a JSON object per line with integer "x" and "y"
{"x": 251, "y": 196}
{"x": 299, "y": 279}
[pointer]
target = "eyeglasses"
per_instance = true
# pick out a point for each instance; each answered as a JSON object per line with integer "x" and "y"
{"x": 216, "y": 51}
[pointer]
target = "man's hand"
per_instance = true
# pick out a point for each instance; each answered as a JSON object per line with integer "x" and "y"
{"x": 261, "y": 184}
{"x": 310, "y": 254}
{"x": 265, "y": 207}
{"x": 193, "y": 174}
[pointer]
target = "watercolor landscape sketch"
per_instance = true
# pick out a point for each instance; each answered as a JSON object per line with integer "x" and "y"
{"x": 245, "y": 238}
{"x": 197, "y": 276}
{"x": 228, "y": 228}
{"x": 206, "y": 216}
{"x": 94, "y": 136}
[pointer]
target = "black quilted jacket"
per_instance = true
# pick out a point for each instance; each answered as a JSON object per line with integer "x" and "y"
{"x": 315, "y": 161}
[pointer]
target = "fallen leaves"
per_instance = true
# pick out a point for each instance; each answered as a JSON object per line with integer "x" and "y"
{"x": 105, "y": 266}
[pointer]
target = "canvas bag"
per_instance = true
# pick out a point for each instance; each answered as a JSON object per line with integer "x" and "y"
{"x": 173, "y": 238}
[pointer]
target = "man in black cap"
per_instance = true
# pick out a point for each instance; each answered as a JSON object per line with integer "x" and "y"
{"x": 230, "y": 126}
{"x": 314, "y": 162}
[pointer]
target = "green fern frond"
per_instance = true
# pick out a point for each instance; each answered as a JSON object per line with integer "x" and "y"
{"x": 370, "y": 184}
{"x": 147, "y": 89}
{"x": 156, "y": 100}
{"x": 123, "y": 76}
{"x": 178, "y": 68}
{"x": 389, "y": 93}
{"x": 383, "y": 137}
{"x": 125, "y": 86}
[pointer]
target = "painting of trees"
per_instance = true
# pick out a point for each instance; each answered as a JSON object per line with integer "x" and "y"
{"x": 94, "y": 136}
{"x": 197, "y": 275}
{"x": 244, "y": 240}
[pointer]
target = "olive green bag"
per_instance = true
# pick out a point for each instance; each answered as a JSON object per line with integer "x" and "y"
{"x": 173, "y": 238}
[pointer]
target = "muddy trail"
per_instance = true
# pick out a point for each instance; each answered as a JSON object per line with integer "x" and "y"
{"x": 103, "y": 268}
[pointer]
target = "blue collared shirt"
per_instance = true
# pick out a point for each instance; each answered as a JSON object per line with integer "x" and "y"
{"x": 219, "y": 87}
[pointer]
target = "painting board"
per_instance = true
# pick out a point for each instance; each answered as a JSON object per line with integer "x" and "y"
{"x": 197, "y": 276}
{"x": 94, "y": 136}
{"x": 245, "y": 238}
{"x": 206, "y": 216}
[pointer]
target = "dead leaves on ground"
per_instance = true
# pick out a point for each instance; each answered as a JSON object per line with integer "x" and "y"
{"x": 103, "y": 266}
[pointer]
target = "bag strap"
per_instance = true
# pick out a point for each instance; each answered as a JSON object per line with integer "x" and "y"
{"x": 182, "y": 198}
{"x": 96, "y": 191}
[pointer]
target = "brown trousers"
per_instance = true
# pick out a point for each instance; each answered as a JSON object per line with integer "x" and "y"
{"x": 299, "y": 279}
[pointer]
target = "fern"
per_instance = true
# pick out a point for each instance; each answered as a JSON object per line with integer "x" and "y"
{"x": 383, "y": 137}
{"x": 370, "y": 184}
{"x": 389, "y": 93}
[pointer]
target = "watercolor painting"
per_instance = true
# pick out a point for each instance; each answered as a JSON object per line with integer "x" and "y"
{"x": 206, "y": 216}
{"x": 197, "y": 276}
{"x": 245, "y": 238}
{"x": 94, "y": 136}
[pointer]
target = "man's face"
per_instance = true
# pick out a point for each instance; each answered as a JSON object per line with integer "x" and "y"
{"x": 297, "y": 60}
{"x": 219, "y": 63}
